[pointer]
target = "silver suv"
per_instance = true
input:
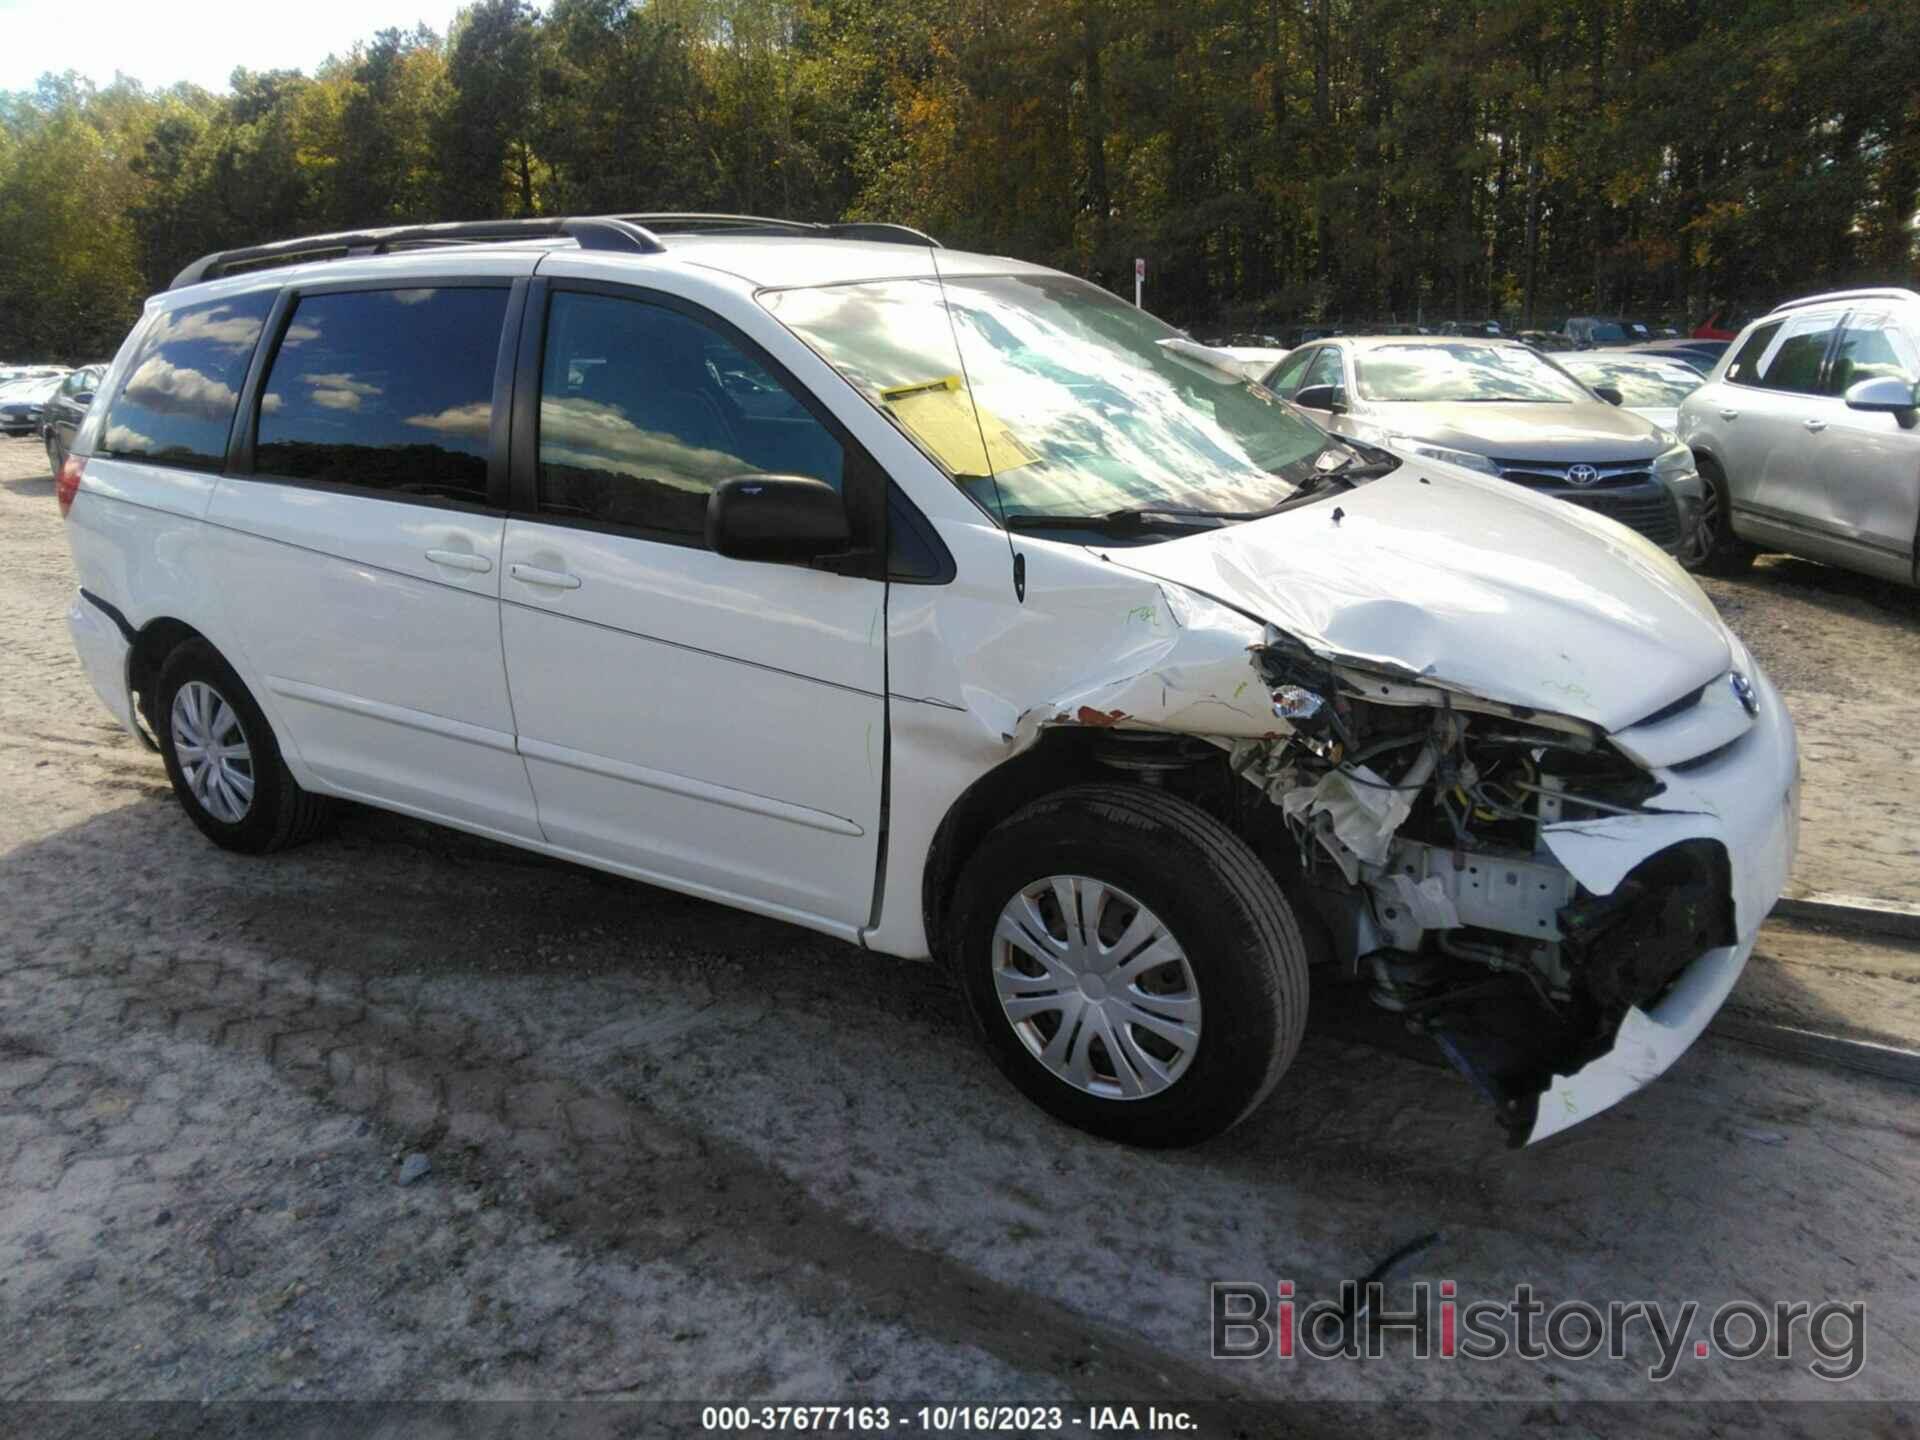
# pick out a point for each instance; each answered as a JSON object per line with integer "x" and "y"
{"x": 1808, "y": 435}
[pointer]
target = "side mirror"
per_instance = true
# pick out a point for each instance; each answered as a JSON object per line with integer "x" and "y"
{"x": 1610, "y": 393}
{"x": 783, "y": 518}
{"x": 1885, "y": 393}
{"x": 1331, "y": 398}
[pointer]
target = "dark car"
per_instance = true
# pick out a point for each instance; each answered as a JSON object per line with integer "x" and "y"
{"x": 22, "y": 402}
{"x": 1590, "y": 332}
{"x": 1296, "y": 335}
{"x": 1701, "y": 355}
{"x": 1484, "y": 329}
{"x": 66, "y": 408}
{"x": 1547, "y": 342}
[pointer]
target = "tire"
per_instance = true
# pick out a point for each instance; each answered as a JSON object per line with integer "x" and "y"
{"x": 277, "y": 813}
{"x": 1245, "y": 962}
{"x": 1718, "y": 551}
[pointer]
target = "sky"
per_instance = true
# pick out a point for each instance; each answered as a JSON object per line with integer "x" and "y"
{"x": 160, "y": 41}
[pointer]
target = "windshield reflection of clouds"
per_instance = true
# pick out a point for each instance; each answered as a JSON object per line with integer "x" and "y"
{"x": 1078, "y": 376}
{"x": 1434, "y": 373}
{"x": 1639, "y": 384}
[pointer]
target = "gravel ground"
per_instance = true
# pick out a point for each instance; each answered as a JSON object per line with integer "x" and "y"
{"x": 1845, "y": 651}
{"x": 678, "y": 1152}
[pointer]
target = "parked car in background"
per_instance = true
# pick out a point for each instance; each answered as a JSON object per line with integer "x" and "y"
{"x": 10, "y": 373}
{"x": 1547, "y": 342}
{"x": 1294, "y": 335}
{"x": 66, "y": 408}
{"x": 1019, "y": 638}
{"x": 1590, "y": 331}
{"x": 23, "y": 401}
{"x": 1650, "y": 387}
{"x": 1497, "y": 407}
{"x": 1698, "y": 355}
{"x": 1384, "y": 327}
{"x": 1808, "y": 435}
{"x": 1487, "y": 329}
{"x": 1722, "y": 324}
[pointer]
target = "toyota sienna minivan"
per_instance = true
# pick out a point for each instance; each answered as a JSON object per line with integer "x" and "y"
{"x": 939, "y": 603}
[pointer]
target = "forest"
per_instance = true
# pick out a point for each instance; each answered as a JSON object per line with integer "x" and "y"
{"x": 1270, "y": 159}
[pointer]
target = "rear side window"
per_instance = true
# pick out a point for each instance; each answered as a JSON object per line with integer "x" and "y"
{"x": 1745, "y": 369}
{"x": 644, "y": 410}
{"x": 387, "y": 390}
{"x": 184, "y": 384}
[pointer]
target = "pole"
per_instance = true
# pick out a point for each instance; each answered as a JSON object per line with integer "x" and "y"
{"x": 1139, "y": 279}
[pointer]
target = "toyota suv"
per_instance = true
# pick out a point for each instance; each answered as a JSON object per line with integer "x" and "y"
{"x": 939, "y": 603}
{"x": 1808, "y": 435}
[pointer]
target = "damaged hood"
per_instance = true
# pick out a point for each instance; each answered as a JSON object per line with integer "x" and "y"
{"x": 1469, "y": 583}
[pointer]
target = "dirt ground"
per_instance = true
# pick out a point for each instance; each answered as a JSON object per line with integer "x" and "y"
{"x": 1845, "y": 651}
{"x": 681, "y": 1153}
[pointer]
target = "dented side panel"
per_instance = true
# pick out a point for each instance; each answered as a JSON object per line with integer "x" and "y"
{"x": 975, "y": 677}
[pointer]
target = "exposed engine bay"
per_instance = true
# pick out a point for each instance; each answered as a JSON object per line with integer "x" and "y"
{"x": 1410, "y": 835}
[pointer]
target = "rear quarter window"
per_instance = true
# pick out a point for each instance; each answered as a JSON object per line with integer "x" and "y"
{"x": 183, "y": 386}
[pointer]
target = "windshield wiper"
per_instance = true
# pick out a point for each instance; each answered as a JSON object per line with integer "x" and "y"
{"x": 1362, "y": 462}
{"x": 1115, "y": 522}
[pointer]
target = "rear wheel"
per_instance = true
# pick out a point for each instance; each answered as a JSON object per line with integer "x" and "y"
{"x": 223, "y": 759}
{"x": 1130, "y": 964}
{"x": 1714, "y": 549}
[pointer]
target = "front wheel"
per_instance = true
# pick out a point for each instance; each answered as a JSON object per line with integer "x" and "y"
{"x": 1714, "y": 549}
{"x": 1130, "y": 964}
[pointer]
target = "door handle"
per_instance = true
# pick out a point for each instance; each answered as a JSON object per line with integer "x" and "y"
{"x": 461, "y": 560}
{"x": 1816, "y": 426}
{"x": 1729, "y": 414}
{"x": 552, "y": 579}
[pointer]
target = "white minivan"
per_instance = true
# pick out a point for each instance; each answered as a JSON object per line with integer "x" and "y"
{"x": 945, "y": 604}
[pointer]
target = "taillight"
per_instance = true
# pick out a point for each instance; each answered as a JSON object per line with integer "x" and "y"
{"x": 66, "y": 485}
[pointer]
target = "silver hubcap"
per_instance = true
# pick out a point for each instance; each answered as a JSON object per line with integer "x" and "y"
{"x": 1096, "y": 987}
{"x": 212, "y": 750}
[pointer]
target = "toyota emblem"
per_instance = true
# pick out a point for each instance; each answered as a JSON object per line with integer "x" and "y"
{"x": 1744, "y": 692}
{"x": 1582, "y": 474}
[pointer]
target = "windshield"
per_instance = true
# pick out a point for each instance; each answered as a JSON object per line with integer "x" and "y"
{"x": 1659, "y": 387}
{"x": 1605, "y": 330}
{"x": 1464, "y": 371}
{"x": 1069, "y": 402}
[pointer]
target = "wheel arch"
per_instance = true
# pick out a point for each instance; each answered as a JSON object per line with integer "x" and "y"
{"x": 152, "y": 644}
{"x": 1062, "y": 758}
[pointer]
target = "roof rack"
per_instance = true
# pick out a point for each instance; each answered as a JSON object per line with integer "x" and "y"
{"x": 631, "y": 234}
{"x": 605, "y": 232}
{"x": 1832, "y": 295}
{"x": 696, "y": 222}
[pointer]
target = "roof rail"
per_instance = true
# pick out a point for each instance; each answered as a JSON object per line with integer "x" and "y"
{"x": 1887, "y": 293}
{"x": 696, "y": 222}
{"x": 604, "y": 232}
{"x": 881, "y": 230}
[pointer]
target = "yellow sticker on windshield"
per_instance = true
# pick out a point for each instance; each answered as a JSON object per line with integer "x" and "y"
{"x": 942, "y": 416}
